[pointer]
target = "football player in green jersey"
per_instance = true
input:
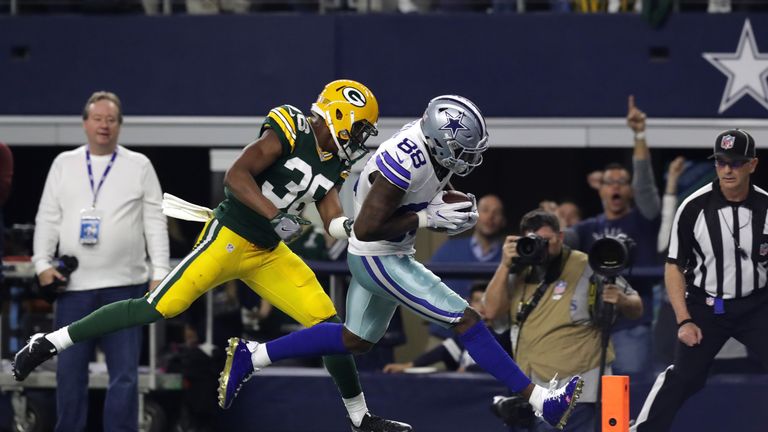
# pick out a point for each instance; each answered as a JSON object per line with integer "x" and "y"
{"x": 296, "y": 160}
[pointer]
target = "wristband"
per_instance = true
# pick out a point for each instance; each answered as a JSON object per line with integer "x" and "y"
{"x": 340, "y": 228}
{"x": 423, "y": 219}
{"x": 684, "y": 322}
{"x": 639, "y": 136}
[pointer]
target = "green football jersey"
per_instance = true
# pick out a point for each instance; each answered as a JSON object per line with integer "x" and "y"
{"x": 301, "y": 175}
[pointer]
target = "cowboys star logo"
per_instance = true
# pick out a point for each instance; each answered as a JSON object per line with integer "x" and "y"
{"x": 746, "y": 69}
{"x": 454, "y": 124}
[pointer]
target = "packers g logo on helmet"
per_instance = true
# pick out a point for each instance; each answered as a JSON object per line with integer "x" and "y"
{"x": 350, "y": 111}
{"x": 354, "y": 96}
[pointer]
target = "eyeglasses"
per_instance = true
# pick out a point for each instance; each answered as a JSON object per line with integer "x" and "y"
{"x": 734, "y": 164}
{"x": 615, "y": 182}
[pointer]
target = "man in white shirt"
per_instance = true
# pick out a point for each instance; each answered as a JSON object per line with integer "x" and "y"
{"x": 101, "y": 204}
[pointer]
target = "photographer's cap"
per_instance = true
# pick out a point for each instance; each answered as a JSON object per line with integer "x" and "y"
{"x": 734, "y": 144}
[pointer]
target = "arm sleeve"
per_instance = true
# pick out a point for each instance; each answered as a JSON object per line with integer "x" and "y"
{"x": 681, "y": 236}
{"x": 396, "y": 165}
{"x": 644, "y": 186}
{"x": 48, "y": 220}
{"x": 155, "y": 224}
{"x": 6, "y": 173}
{"x": 668, "y": 205}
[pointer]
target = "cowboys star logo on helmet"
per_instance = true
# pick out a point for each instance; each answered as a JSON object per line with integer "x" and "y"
{"x": 458, "y": 152}
{"x": 454, "y": 124}
{"x": 727, "y": 142}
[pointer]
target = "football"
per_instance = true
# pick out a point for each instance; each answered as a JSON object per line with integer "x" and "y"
{"x": 454, "y": 196}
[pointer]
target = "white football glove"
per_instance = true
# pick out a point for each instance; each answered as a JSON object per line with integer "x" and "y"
{"x": 442, "y": 215}
{"x": 473, "y": 217}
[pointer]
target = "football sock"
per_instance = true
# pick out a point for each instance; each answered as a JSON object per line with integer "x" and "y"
{"x": 60, "y": 339}
{"x": 356, "y": 408}
{"x": 343, "y": 371}
{"x": 113, "y": 317}
{"x": 537, "y": 398}
{"x": 487, "y": 353}
{"x": 315, "y": 341}
{"x": 259, "y": 356}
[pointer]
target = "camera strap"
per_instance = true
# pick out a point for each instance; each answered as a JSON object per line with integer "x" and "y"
{"x": 527, "y": 307}
{"x": 552, "y": 273}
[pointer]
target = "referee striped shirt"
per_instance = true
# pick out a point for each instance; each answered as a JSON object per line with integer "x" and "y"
{"x": 708, "y": 236}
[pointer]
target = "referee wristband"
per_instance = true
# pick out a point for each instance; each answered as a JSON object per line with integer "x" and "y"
{"x": 684, "y": 322}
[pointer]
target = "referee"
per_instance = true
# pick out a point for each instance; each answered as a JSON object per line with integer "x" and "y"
{"x": 715, "y": 277}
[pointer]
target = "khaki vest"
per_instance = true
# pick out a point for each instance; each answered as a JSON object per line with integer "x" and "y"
{"x": 550, "y": 340}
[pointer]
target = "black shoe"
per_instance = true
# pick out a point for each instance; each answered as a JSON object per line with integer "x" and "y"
{"x": 35, "y": 352}
{"x": 513, "y": 410}
{"x": 372, "y": 423}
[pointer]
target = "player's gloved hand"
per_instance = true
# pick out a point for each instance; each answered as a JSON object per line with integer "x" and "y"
{"x": 288, "y": 226}
{"x": 442, "y": 215}
{"x": 471, "y": 221}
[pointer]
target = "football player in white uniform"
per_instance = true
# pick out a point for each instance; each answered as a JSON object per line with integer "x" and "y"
{"x": 399, "y": 190}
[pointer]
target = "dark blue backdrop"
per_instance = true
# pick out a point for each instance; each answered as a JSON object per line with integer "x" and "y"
{"x": 536, "y": 65}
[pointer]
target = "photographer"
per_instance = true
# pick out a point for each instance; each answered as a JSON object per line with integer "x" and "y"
{"x": 545, "y": 294}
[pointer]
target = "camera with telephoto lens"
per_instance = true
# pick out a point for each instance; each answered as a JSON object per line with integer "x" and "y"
{"x": 531, "y": 250}
{"x": 65, "y": 264}
{"x": 608, "y": 258}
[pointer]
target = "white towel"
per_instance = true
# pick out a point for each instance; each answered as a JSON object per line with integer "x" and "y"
{"x": 176, "y": 207}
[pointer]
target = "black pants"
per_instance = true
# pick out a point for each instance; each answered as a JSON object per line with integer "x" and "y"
{"x": 745, "y": 319}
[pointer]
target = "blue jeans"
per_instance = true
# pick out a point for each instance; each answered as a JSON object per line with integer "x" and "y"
{"x": 634, "y": 352}
{"x": 122, "y": 348}
{"x": 582, "y": 420}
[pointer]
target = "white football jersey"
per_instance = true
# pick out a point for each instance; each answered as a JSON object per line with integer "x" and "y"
{"x": 404, "y": 161}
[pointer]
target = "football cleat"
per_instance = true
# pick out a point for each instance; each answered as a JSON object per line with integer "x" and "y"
{"x": 34, "y": 353}
{"x": 237, "y": 370}
{"x": 560, "y": 402}
{"x": 372, "y": 423}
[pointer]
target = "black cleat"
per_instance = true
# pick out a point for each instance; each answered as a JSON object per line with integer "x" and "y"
{"x": 35, "y": 352}
{"x": 372, "y": 423}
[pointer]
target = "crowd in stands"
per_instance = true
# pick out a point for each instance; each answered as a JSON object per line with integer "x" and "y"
{"x": 650, "y": 8}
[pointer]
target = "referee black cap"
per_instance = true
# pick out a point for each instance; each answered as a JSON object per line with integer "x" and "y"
{"x": 734, "y": 144}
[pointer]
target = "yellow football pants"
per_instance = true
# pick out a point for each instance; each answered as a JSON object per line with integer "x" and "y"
{"x": 278, "y": 276}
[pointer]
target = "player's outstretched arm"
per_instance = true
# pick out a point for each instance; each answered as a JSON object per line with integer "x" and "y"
{"x": 255, "y": 158}
{"x": 335, "y": 223}
{"x": 376, "y": 220}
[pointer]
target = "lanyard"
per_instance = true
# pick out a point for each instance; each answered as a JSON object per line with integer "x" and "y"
{"x": 95, "y": 191}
